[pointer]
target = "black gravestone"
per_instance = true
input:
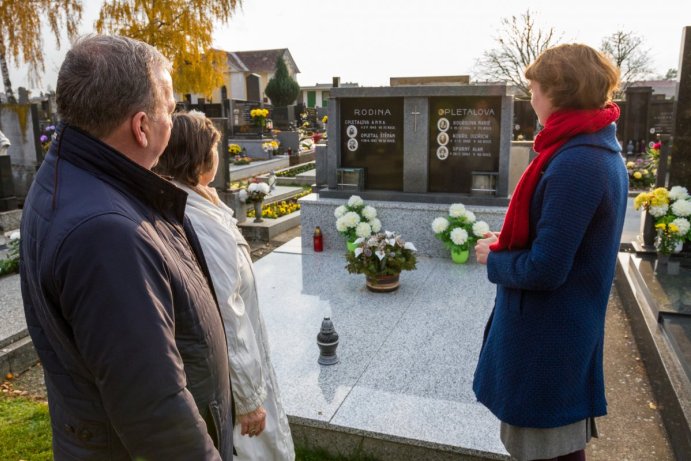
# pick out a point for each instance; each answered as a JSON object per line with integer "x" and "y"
{"x": 252, "y": 82}
{"x": 661, "y": 111}
{"x": 637, "y": 116}
{"x": 463, "y": 138}
{"x": 680, "y": 167}
{"x": 372, "y": 138}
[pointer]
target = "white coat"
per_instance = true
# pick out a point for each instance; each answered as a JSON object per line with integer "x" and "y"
{"x": 251, "y": 374}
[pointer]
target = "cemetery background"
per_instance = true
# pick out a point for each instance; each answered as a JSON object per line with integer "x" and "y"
{"x": 645, "y": 117}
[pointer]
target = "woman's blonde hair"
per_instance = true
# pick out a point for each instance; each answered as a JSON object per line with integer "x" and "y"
{"x": 190, "y": 150}
{"x": 575, "y": 76}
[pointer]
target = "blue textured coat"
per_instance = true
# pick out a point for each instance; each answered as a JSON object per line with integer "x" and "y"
{"x": 541, "y": 360}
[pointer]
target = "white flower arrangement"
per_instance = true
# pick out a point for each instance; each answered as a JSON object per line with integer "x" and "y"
{"x": 440, "y": 225}
{"x": 382, "y": 253}
{"x": 678, "y": 193}
{"x": 460, "y": 229}
{"x": 681, "y": 207}
{"x": 255, "y": 192}
{"x": 456, "y": 210}
{"x": 355, "y": 202}
{"x": 355, "y": 220}
{"x": 459, "y": 236}
{"x": 672, "y": 211}
{"x": 369, "y": 212}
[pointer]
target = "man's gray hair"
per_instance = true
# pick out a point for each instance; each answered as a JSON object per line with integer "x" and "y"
{"x": 106, "y": 79}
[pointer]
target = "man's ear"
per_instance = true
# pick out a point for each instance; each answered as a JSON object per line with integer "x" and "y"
{"x": 140, "y": 128}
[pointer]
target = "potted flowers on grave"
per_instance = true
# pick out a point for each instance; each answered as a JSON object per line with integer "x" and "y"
{"x": 271, "y": 147}
{"x": 641, "y": 173}
{"x": 234, "y": 150}
{"x": 356, "y": 220}
{"x": 381, "y": 257}
{"x": 258, "y": 117}
{"x": 459, "y": 231}
{"x": 671, "y": 210}
{"x": 254, "y": 193}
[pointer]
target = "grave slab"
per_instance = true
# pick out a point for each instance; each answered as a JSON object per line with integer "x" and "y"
{"x": 406, "y": 358}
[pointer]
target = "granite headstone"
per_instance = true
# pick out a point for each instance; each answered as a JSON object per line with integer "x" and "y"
{"x": 680, "y": 168}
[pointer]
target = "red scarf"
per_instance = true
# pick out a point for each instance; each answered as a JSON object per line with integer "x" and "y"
{"x": 561, "y": 126}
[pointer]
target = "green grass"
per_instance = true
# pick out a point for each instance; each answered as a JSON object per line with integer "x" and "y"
{"x": 25, "y": 434}
{"x": 24, "y": 430}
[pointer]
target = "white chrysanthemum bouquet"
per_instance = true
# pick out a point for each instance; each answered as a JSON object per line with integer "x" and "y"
{"x": 460, "y": 230}
{"x": 255, "y": 192}
{"x": 356, "y": 220}
{"x": 672, "y": 212}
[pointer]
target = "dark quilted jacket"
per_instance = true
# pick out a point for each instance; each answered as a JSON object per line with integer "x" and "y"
{"x": 121, "y": 313}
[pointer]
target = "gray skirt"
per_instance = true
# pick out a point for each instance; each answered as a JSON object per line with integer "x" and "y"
{"x": 529, "y": 443}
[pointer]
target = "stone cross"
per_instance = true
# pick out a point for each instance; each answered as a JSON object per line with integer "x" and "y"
{"x": 415, "y": 113}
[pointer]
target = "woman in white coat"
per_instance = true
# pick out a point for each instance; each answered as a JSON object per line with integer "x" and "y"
{"x": 261, "y": 428}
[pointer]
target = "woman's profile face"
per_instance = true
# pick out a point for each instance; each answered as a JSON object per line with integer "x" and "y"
{"x": 206, "y": 177}
{"x": 542, "y": 105}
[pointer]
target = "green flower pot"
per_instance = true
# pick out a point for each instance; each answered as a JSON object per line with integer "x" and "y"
{"x": 460, "y": 256}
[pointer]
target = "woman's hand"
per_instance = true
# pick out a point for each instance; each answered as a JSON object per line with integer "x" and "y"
{"x": 482, "y": 246}
{"x": 252, "y": 423}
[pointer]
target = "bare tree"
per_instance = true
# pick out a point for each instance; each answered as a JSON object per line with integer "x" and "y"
{"x": 627, "y": 51}
{"x": 520, "y": 42}
{"x": 671, "y": 74}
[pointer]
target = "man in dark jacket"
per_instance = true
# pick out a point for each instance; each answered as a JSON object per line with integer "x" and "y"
{"x": 118, "y": 307}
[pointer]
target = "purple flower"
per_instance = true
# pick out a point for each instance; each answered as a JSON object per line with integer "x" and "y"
{"x": 50, "y": 128}
{"x": 43, "y": 138}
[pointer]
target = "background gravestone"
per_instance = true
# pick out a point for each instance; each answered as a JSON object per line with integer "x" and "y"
{"x": 680, "y": 168}
{"x": 253, "y": 88}
{"x": 20, "y": 124}
{"x": 636, "y": 116}
{"x": 23, "y": 95}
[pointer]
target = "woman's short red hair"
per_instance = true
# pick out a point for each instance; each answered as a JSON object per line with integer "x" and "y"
{"x": 575, "y": 76}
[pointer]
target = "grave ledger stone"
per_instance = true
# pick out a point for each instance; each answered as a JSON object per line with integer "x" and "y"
{"x": 421, "y": 143}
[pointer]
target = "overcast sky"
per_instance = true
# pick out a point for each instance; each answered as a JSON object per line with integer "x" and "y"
{"x": 368, "y": 41}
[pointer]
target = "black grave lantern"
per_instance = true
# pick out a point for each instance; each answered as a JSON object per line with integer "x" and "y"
{"x": 327, "y": 340}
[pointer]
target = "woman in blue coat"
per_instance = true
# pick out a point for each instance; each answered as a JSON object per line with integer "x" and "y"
{"x": 540, "y": 367}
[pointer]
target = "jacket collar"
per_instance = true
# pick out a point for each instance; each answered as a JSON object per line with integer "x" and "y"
{"x": 90, "y": 154}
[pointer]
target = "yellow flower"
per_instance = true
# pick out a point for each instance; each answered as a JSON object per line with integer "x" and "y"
{"x": 630, "y": 165}
{"x": 325, "y": 119}
{"x": 662, "y": 193}
{"x": 640, "y": 200}
{"x": 673, "y": 228}
{"x": 637, "y": 175}
{"x": 662, "y": 226}
{"x": 645, "y": 172}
